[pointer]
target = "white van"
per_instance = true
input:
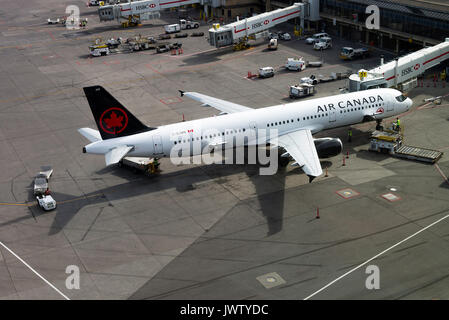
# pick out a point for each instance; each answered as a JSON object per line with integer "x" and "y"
{"x": 266, "y": 72}
{"x": 316, "y": 37}
{"x": 172, "y": 28}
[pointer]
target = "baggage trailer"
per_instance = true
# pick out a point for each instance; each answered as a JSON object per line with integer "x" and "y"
{"x": 148, "y": 166}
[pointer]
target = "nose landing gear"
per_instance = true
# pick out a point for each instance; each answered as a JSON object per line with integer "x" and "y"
{"x": 379, "y": 126}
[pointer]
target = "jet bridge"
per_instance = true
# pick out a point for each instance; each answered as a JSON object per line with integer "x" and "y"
{"x": 143, "y": 10}
{"x": 239, "y": 31}
{"x": 402, "y": 72}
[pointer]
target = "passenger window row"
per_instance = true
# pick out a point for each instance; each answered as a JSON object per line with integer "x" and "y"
{"x": 362, "y": 108}
{"x": 321, "y": 115}
{"x": 228, "y": 132}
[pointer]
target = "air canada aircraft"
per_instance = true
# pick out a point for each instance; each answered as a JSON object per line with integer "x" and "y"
{"x": 121, "y": 134}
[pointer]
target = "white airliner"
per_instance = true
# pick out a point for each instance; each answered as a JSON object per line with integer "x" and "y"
{"x": 122, "y": 134}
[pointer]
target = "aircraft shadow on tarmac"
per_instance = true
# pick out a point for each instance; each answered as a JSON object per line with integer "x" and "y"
{"x": 271, "y": 203}
{"x": 213, "y": 55}
{"x": 183, "y": 181}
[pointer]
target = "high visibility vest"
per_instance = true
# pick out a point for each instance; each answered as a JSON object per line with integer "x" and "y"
{"x": 399, "y": 122}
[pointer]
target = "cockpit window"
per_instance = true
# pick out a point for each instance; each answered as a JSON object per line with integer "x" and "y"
{"x": 401, "y": 98}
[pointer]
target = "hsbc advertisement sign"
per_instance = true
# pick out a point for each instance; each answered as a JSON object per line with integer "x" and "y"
{"x": 260, "y": 24}
{"x": 411, "y": 69}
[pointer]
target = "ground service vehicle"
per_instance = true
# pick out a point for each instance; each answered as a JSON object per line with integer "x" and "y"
{"x": 273, "y": 45}
{"x": 266, "y": 72}
{"x": 323, "y": 43}
{"x": 316, "y": 37}
{"x": 187, "y": 24}
{"x": 309, "y": 80}
{"x": 348, "y": 53}
{"x": 172, "y": 28}
{"x": 46, "y": 202}
{"x": 301, "y": 90}
{"x": 41, "y": 180}
{"x": 284, "y": 36}
{"x": 97, "y": 50}
{"x": 295, "y": 64}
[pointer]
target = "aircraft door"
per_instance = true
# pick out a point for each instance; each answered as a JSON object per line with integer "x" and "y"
{"x": 332, "y": 115}
{"x": 253, "y": 128}
{"x": 157, "y": 144}
{"x": 390, "y": 105}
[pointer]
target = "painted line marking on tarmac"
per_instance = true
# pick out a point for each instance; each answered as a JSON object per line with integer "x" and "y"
{"x": 13, "y": 204}
{"x": 441, "y": 173}
{"x": 376, "y": 256}
{"x": 29, "y": 204}
{"x": 35, "y": 272}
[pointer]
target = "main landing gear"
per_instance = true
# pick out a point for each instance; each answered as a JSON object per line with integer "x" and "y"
{"x": 283, "y": 161}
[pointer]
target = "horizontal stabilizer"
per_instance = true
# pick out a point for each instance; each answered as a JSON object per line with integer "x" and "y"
{"x": 90, "y": 134}
{"x": 117, "y": 154}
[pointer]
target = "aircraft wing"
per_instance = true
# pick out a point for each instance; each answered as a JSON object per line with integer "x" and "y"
{"x": 222, "y": 105}
{"x": 301, "y": 147}
{"x": 116, "y": 154}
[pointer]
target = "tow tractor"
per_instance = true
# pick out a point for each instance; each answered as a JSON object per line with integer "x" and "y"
{"x": 187, "y": 24}
{"x": 46, "y": 202}
{"x": 390, "y": 141}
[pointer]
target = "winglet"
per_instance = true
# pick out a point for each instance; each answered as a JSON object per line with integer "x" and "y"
{"x": 181, "y": 92}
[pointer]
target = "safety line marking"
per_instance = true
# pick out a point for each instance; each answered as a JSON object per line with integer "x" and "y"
{"x": 375, "y": 257}
{"x": 29, "y": 267}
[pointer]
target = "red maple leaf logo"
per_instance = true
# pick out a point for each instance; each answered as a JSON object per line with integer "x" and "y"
{"x": 114, "y": 121}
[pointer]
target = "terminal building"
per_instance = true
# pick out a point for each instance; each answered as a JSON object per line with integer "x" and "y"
{"x": 405, "y": 25}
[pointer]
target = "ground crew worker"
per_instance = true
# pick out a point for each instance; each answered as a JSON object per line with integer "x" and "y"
{"x": 156, "y": 165}
{"x": 398, "y": 124}
{"x": 349, "y": 135}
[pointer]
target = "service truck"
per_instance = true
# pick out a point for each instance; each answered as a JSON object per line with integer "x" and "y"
{"x": 295, "y": 64}
{"x": 301, "y": 90}
{"x": 348, "y": 53}
{"x": 172, "y": 28}
{"x": 273, "y": 44}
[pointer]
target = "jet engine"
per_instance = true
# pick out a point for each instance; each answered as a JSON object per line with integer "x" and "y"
{"x": 328, "y": 147}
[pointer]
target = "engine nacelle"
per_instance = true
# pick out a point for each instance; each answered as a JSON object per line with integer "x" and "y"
{"x": 328, "y": 147}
